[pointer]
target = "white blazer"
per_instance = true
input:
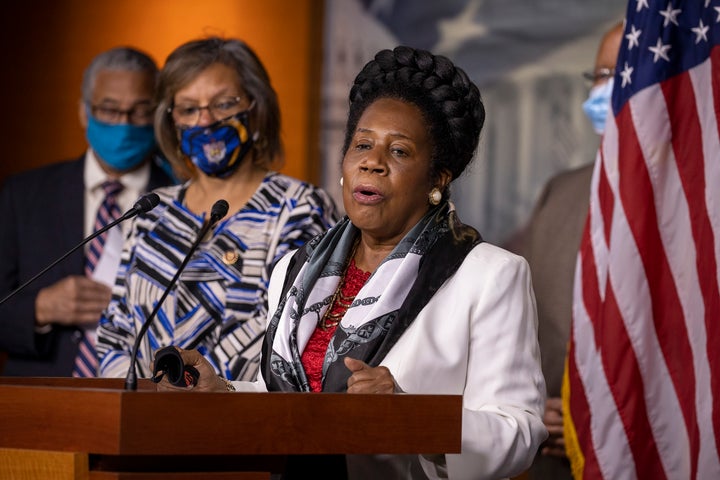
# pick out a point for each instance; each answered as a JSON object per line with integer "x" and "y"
{"x": 477, "y": 337}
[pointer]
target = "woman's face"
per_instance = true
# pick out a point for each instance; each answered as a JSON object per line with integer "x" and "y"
{"x": 215, "y": 94}
{"x": 386, "y": 170}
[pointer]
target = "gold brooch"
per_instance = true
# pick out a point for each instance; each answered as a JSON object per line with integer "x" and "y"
{"x": 230, "y": 257}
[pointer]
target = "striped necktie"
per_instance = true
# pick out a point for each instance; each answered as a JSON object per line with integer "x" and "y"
{"x": 86, "y": 362}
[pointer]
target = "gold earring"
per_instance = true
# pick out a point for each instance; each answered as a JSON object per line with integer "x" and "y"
{"x": 435, "y": 196}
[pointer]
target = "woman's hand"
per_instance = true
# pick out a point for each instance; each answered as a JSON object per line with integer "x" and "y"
{"x": 208, "y": 381}
{"x": 366, "y": 379}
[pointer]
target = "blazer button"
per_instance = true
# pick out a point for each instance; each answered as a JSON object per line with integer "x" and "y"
{"x": 76, "y": 336}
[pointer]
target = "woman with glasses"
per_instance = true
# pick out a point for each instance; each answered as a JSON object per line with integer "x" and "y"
{"x": 218, "y": 122}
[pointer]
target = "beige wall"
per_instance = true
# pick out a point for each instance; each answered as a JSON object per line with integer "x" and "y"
{"x": 48, "y": 44}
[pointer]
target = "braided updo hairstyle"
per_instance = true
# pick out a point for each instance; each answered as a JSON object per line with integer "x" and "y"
{"x": 448, "y": 100}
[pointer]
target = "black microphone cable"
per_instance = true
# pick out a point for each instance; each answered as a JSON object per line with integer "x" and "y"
{"x": 144, "y": 204}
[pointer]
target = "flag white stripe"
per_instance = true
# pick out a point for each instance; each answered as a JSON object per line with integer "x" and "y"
{"x": 700, "y": 77}
{"x": 606, "y": 426}
{"x": 650, "y": 117}
{"x": 649, "y": 107}
{"x": 597, "y": 220}
{"x": 678, "y": 209}
{"x": 605, "y": 422}
{"x": 629, "y": 284}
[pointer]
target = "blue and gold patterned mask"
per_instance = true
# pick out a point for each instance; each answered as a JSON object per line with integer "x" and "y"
{"x": 218, "y": 149}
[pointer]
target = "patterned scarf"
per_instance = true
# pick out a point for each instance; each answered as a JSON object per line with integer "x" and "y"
{"x": 383, "y": 309}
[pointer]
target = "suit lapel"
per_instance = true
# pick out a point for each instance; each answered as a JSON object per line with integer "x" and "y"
{"x": 72, "y": 215}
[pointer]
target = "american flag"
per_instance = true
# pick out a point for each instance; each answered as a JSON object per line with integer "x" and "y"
{"x": 641, "y": 395}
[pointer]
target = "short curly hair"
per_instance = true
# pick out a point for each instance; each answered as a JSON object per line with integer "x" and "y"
{"x": 449, "y": 101}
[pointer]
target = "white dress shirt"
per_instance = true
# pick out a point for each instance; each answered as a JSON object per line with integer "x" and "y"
{"x": 134, "y": 183}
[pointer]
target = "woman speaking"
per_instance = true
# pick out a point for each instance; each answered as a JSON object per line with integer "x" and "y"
{"x": 400, "y": 296}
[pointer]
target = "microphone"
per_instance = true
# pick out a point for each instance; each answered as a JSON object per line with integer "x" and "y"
{"x": 144, "y": 204}
{"x": 218, "y": 211}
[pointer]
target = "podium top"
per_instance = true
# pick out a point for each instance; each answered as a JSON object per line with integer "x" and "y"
{"x": 97, "y": 416}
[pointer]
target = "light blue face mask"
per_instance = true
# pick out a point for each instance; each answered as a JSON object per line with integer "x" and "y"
{"x": 597, "y": 105}
{"x": 122, "y": 146}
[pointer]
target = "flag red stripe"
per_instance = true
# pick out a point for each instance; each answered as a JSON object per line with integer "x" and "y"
{"x": 606, "y": 198}
{"x": 590, "y": 285}
{"x": 625, "y": 380}
{"x": 580, "y": 413}
{"x": 592, "y": 301}
{"x": 712, "y": 325}
{"x": 636, "y": 194}
{"x": 715, "y": 79}
{"x": 685, "y": 124}
{"x": 645, "y": 261}
{"x": 579, "y": 407}
{"x": 621, "y": 371}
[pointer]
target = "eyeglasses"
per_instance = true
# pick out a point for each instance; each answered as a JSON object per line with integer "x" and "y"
{"x": 141, "y": 114}
{"x": 186, "y": 114}
{"x": 599, "y": 74}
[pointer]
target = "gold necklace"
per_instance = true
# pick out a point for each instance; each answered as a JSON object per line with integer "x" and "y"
{"x": 331, "y": 320}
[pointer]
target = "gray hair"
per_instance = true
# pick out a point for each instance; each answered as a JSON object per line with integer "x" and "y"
{"x": 119, "y": 58}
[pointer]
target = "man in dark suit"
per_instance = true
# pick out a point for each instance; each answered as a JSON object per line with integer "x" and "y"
{"x": 550, "y": 243}
{"x": 47, "y": 211}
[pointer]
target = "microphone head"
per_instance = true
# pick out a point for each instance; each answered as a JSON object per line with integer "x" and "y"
{"x": 147, "y": 202}
{"x": 219, "y": 210}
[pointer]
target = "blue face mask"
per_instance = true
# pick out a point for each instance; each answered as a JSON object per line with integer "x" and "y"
{"x": 122, "y": 146}
{"x": 218, "y": 149}
{"x": 597, "y": 105}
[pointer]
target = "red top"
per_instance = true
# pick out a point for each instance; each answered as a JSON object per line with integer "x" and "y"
{"x": 314, "y": 353}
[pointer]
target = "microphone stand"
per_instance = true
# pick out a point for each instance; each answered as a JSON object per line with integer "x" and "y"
{"x": 145, "y": 204}
{"x": 216, "y": 214}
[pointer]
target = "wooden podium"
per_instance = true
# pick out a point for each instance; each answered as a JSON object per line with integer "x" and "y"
{"x": 71, "y": 428}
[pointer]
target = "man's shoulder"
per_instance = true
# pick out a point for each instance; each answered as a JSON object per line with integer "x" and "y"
{"x": 49, "y": 170}
{"x": 566, "y": 186}
{"x": 52, "y": 173}
{"x": 579, "y": 176}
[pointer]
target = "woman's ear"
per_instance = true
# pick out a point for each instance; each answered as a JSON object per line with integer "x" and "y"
{"x": 443, "y": 180}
